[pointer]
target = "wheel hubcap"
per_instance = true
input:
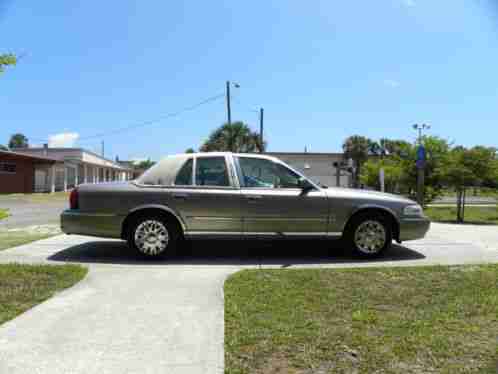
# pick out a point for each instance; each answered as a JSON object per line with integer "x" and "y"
{"x": 370, "y": 237}
{"x": 151, "y": 237}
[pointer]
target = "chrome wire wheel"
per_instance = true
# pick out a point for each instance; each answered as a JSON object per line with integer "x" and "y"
{"x": 370, "y": 237}
{"x": 151, "y": 237}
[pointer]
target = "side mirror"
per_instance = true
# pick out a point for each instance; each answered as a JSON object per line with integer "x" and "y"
{"x": 305, "y": 186}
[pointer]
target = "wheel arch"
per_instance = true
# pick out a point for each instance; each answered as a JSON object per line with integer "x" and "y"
{"x": 365, "y": 209}
{"x": 151, "y": 208}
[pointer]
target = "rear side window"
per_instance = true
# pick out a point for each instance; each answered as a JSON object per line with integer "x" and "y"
{"x": 211, "y": 171}
{"x": 184, "y": 176}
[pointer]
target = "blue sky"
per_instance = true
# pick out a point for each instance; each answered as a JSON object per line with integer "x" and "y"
{"x": 323, "y": 70}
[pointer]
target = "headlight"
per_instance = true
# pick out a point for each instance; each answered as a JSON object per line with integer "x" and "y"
{"x": 413, "y": 210}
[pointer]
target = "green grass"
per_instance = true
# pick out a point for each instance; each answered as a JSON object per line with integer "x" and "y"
{"x": 398, "y": 320}
{"x": 10, "y": 239}
{"x": 473, "y": 214}
{"x": 24, "y": 286}
{"x": 4, "y": 213}
{"x": 37, "y": 197}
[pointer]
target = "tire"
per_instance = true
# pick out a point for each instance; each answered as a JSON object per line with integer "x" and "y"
{"x": 154, "y": 236}
{"x": 369, "y": 235}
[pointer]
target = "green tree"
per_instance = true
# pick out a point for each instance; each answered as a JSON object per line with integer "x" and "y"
{"x": 6, "y": 60}
{"x": 468, "y": 168}
{"x": 235, "y": 137}
{"x": 18, "y": 141}
{"x": 393, "y": 173}
{"x": 190, "y": 150}
{"x": 144, "y": 165}
{"x": 357, "y": 148}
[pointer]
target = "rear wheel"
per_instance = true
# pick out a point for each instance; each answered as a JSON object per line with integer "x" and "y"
{"x": 369, "y": 235}
{"x": 153, "y": 236}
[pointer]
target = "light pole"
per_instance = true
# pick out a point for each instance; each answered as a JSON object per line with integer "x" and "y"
{"x": 420, "y": 162}
{"x": 229, "y": 110}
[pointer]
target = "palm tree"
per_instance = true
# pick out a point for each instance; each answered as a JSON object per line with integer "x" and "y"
{"x": 235, "y": 137}
{"x": 18, "y": 141}
{"x": 357, "y": 148}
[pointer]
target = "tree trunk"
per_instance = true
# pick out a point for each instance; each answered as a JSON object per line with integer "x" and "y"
{"x": 463, "y": 203}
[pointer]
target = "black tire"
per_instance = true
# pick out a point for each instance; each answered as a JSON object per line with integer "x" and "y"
{"x": 369, "y": 225}
{"x": 146, "y": 249}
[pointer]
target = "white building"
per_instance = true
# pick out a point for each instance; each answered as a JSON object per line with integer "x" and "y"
{"x": 76, "y": 166}
{"x": 319, "y": 167}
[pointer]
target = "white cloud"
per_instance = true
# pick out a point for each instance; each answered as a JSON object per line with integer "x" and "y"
{"x": 392, "y": 83}
{"x": 63, "y": 140}
{"x": 409, "y": 3}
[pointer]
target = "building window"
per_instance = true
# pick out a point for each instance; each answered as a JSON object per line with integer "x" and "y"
{"x": 8, "y": 167}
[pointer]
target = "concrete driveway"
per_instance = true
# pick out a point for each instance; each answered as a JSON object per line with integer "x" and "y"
{"x": 135, "y": 316}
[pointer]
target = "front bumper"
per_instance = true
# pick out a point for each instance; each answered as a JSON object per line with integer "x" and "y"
{"x": 73, "y": 221}
{"x": 413, "y": 228}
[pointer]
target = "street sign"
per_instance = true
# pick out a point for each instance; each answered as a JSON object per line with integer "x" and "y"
{"x": 421, "y": 157}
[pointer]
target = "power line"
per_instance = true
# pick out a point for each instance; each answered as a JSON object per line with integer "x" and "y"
{"x": 150, "y": 122}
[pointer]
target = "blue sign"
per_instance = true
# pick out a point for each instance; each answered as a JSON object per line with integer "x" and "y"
{"x": 421, "y": 152}
{"x": 420, "y": 157}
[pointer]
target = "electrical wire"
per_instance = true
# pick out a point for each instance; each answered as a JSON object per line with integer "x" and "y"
{"x": 150, "y": 122}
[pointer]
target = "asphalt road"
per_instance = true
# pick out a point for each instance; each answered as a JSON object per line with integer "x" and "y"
{"x": 28, "y": 213}
{"x": 136, "y": 316}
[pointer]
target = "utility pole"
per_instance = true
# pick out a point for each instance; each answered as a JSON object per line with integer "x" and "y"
{"x": 229, "y": 111}
{"x": 420, "y": 162}
{"x": 103, "y": 149}
{"x": 261, "y": 111}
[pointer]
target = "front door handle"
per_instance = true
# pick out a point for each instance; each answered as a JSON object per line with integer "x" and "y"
{"x": 254, "y": 197}
{"x": 180, "y": 196}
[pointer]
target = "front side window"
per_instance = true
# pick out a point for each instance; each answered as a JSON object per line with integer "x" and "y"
{"x": 211, "y": 171}
{"x": 258, "y": 172}
{"x": 184, "y": 176}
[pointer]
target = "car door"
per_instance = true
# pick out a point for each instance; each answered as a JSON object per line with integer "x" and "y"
{"x": 207, "y": 196}
{"x": 273, "y": 203}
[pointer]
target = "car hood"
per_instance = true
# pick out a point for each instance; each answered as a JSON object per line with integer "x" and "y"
{"x": 338, "y": 192}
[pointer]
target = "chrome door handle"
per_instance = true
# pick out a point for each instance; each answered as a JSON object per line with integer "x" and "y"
{"x": 180, "y": 195}
{"x": 254, "y": 197}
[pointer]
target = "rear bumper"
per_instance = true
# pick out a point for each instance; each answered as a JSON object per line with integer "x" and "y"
{"x": 413, "y": 228}
{"x": 93, "y": 224}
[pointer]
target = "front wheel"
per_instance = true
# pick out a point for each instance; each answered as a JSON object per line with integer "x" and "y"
{"x": 369, "y": 235}
{"x": 153, "y": 236}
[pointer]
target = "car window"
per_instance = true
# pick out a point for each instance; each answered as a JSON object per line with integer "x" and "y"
{"x": 184, "y": 176}
{"x": 258, "y": 172}
{"x": 211, "y": 171}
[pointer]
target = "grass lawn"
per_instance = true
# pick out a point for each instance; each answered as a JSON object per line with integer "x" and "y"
{"x": 10, "y": 239}
{"x": 473, "y": 214}
{"x": 4, "y": 213}
{"x": 24, "y": 286}
{"x": 398, "y": 320}
{"x": 37, "y": 197}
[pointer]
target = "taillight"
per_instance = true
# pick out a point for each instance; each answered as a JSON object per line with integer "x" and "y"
{"x": 73, "y": 199}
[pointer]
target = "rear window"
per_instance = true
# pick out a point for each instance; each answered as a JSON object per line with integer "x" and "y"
{"x": 211, "y": 171}
{"x": 184, "y": 176}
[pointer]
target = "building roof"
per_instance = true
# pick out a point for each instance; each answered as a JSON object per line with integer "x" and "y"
{"x": 26, "y": 156}
{"x": 305, "y": 153}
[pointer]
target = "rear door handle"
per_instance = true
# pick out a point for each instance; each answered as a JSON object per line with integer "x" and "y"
{"x": 254, "y": 197}
{"x": 180, "y": 196}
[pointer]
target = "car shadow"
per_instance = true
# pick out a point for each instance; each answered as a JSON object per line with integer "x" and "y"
{"x": 223, "y": 252}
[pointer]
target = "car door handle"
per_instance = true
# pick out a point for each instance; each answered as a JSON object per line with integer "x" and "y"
{"x": 254, "y": 197}
{"x": 180, "y": 196}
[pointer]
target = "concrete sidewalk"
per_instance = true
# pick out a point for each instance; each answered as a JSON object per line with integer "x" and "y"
{"x": 136, "y": 316}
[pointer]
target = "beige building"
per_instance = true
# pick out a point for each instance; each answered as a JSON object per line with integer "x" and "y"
{"x": 319, "y": 167}
{"x": 75, "y": 166}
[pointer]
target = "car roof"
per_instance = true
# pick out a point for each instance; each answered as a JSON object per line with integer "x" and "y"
{"x": 223, "y": 154}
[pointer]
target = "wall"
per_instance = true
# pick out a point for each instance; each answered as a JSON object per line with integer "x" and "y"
{"x": 318, "y": 167}
{"x": 22, "y": 181}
